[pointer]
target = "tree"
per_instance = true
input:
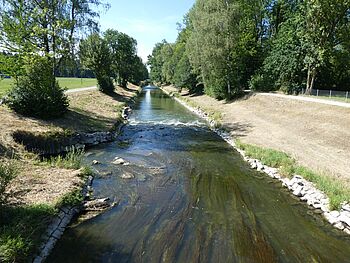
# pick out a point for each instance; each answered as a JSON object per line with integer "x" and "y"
{"x": 156, "y": 63}
{"x": 326, "y": 22}
{"x": 123, "y": 50}
{"x": 42, "y": 30}
{"x": 139, "y": 71}
{"x": 95, "y": 54}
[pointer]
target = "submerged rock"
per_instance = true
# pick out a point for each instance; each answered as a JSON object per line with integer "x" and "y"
{"x": 118, "y": 161}
{"x": 127, "y": 176}
{"x": 96, "y": 205}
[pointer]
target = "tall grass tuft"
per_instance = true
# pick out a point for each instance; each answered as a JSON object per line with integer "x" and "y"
{"x": 8, "y": 171}
{"x": 72, "y": 160}
{"x": 334, "y": 189}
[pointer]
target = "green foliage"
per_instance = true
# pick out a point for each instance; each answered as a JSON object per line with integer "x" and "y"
{"x": 8, "y": 172}
{"x": 73, "y": 198}
{"x": 21, "y": 229}
{"x": 96, "y": 55}
{"x": 266, "y": 45}
{"x": 334, "y": 189}
{"x": 112, "y": 56}
{"x": 37, "y": 93}
{"x": 72, "y": 160}
{"x": 269, "y": 157}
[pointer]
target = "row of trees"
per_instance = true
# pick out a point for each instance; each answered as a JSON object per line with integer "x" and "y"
{"x": 38, "y": 39}
{"x": 113, "y": 56}
{"x": 226, "y": 46}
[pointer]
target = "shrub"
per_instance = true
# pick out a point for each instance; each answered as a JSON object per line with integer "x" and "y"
{"x": 7, "y": 173}
{"x": 37, "y": 92}
{"x": 105, "y": 83}
{"x": 259, "y": 82}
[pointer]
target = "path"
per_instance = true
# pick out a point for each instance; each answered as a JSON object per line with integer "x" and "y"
{"x": 80, "y": 89}
{"x": 309, "y": 99}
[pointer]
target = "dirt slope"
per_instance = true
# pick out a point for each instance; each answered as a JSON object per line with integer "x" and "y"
{"x": 317, "y": 135}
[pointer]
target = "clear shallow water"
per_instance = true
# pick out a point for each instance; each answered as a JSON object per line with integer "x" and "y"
{"x": 193, "y": 199}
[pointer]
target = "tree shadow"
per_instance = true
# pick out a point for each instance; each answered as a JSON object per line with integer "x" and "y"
{"x": 238, "y": 129}
{"x": 240, "y": 97}
{"x": 78, "y": 120}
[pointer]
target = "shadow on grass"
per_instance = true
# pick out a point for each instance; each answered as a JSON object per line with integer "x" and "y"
{"x": 78, "y": 120}
{"x": 21, "y": 229}
{"x": 237, "y": 129}
{"x": 240, "y": 97}
{"x": 119, "y": 97}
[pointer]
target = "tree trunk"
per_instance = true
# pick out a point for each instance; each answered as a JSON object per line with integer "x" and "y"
{"x": 311, "y": 76}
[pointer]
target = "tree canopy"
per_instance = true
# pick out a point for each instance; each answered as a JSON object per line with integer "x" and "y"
{"x": 226, "y": 46}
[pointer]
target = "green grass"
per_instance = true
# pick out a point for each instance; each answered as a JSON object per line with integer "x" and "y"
{"x": 334, "y": 189}
{"x": 72, "y": 160}
{"x": 8, "y": 171}
{"x": 76, "y": 83}
{"x": 21, "y": 229}
{"x": 334, "y": 98}
{"x": 69, "y": 83}
{"x": 5, "y": 85}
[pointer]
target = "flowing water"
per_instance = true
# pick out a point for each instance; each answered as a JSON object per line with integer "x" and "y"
{"x": 193, "y": 199}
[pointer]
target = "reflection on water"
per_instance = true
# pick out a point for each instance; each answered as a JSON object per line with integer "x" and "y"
{"x": 193, "y": 199}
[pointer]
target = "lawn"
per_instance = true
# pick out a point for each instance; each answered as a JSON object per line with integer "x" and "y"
{"x": 69, "y": 83}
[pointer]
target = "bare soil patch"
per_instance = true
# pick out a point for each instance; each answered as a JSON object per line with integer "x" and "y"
{"x": 316, "y": 135}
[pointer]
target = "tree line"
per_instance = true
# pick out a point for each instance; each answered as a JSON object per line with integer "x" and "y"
{"x": 40, "y": 40}
{"x": 226, "y": 46}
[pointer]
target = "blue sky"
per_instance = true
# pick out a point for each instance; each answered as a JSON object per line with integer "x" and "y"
{"x": 148, "y": 21}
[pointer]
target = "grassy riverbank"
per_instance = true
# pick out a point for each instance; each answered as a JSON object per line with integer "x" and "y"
{"x": 41, "y": 186}
{"x": 69, "y": 83}
{"x": 264, "y": 128}
{"x": 335, "y": 190}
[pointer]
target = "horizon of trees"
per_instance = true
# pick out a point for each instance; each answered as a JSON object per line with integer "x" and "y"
{"x": 40, "y": 40}
{"x": 226, "y": 46}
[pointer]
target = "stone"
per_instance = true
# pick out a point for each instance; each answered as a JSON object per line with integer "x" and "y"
{"x": 96, "y": 205}
{"x": 259, "y": 166}
{"x": 339, "y": 226}
{"x": 118, "y": 161}
{"x": 334, "y": 214}
{"x": 347, "y": 230}
{"x": 345, "y": 218}
{"x": 127, "y": 176}
{"x": 95, "y": 162}
{"x": 297, "y": 191}
{"x": 317, "y": 205}
{"x": 346, "y": 207}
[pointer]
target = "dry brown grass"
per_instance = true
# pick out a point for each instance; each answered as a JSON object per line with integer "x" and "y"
{"x": 89, "y": 111}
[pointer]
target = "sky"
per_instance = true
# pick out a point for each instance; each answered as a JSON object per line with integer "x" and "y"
{"x": 148, "y": 21}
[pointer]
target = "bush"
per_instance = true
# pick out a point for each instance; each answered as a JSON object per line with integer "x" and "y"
{"x": 7, "y": 173}
{"x": 259, "y": 82}
{"x": 105, "y": 84}
{"x": 37, "y": 93}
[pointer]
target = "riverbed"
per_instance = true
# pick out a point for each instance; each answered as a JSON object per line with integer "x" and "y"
{"x": 191, "y": 198}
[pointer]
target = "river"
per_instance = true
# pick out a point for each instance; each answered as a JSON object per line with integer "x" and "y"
{"x": 193, "y": 199}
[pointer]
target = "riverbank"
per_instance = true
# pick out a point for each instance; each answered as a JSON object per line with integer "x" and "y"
{"x": 316, "y": 135}
{"x": 337, "y": 193}
{"x": 41, "y": 187}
